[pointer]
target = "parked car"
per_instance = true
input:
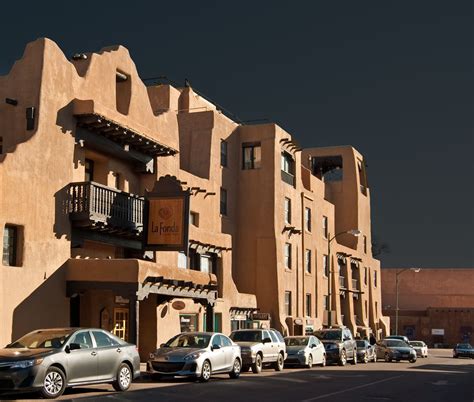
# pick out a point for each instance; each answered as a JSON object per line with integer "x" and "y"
{"x": 463, "y": 350}
{"x": 365, "y": 351}
{"x": 399, "y": 337}
{"x": 196, "y": 354}
{"x": 260, "y": 347}
{"x": 305, "y": 351}
{"x": 395, "y": 349}
{"x": 339, "y": 344}
{"x": 50, "y": 360}
{"x": 420, "y": 348}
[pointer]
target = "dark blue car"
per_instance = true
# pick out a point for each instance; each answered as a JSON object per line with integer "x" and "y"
{"x": 463, "y": 350}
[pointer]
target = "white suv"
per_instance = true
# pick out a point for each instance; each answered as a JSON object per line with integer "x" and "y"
{"x": 260, "y": 347}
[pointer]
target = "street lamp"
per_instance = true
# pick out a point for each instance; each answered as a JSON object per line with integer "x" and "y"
{"x": 353, "y": 232}
{"x": 397, "y": 274}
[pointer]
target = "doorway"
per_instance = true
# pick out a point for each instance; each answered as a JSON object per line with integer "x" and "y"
{"x": 121, "y": 323}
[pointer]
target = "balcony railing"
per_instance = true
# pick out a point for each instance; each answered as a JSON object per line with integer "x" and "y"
{"x": 342, "y": 284}
{"x": 99, "y": 206}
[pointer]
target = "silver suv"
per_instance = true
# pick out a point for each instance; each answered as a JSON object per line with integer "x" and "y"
{"x": 260, "y": 347}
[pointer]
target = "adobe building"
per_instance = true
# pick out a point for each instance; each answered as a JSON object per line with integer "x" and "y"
{"x": 436, "y": 305}
{"x": 85, "y": 145}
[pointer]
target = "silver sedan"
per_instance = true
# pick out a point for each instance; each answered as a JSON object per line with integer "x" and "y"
{"x": 50, "y": 360}
{"x": 196, "y": 354}
{"x": 305, "y": 351}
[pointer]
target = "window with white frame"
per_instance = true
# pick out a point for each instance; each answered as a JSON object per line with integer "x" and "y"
{"x": 287, "y": 208}
{"x": 307, "y": 219}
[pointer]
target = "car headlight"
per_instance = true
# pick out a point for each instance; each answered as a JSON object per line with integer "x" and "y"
{"x": 301, "y": 352}
{"x": 331, "y": 346}
{"x": 26, "y": 363}
{"x": 193, "y": 356}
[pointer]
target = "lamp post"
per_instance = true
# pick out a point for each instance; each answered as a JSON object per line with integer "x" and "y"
{"x": 353, "y": 232}
{"x": 397, "y": 274}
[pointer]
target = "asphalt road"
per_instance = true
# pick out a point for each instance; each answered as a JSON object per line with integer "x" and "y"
{"x": 437, "y": 378}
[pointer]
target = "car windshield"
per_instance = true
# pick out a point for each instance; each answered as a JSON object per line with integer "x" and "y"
{"x": 329, "y": 335}
{"x": 360, "y": 344}
{"x": 189, "y": 341}
{"x": 417, "y": 344}
{"x": 246, "y": 336}
{"x": 395, "y": 343}
{"x": 50, "y": 339}
{"x": 303, "y": 341}
{"x": 464, "y": 346}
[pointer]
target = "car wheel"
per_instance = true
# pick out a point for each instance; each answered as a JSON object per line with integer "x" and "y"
{"x": 354, "y": 359}
{"x": 323, "y": 363}
{"x": 257, "y": 366}
{"x": 342, "y": 358}
{"x": 123, "y": 379}
{"x": 280, "y": 362}
{"x": 205, "y": 371}
{"x": 54, "y": 383}
{"x": 310, "y": 361}
{"x": 412, "y": 360}
{"x": 236, "y": 368}
{"x": 387, "y": 357}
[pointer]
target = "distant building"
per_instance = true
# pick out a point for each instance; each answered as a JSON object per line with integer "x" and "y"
{"x": 435, "y": 305}
{"x": 81, "y": 143}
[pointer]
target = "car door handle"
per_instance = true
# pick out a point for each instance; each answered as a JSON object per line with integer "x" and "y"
{"x": 119, "y": 350}
{"x": 94, "y": 353}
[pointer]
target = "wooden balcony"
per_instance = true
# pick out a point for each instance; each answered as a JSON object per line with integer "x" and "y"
{"x": 104, "y": 209}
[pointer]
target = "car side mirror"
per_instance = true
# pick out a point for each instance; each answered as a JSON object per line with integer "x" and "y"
{"x": 74, "y": 346}
{"x": 67, "y": 349}
{"x": 163, "y": 345}
{"x": 266, "y": 340}
{"x": 313, "y": 346}
{"x": 215, "y": 347}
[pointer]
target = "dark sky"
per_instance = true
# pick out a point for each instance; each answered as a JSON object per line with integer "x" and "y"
{"x": 392, "y": 78}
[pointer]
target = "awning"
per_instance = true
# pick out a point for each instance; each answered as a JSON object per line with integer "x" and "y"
{"x": 96, "y": 122}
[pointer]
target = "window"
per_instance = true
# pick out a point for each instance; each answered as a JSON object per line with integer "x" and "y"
{"x": 83, "y": 339}
{"x": 326, "y": 302}
{"x": 11, "y": 250}
{"x": 307, "y": 255}
{"x": 194, "y": 218}
{"x": 366, "y": 308}
{"x": 287, "y": 207}
{"x": 223, "y": 201}
{"x": 308, "y": 304}
{"x": 103, "y": 340}
{"x": 365, "y": 244}
{"x": 206, "y": 264}
{"x": 123, "y": 91}
{"x": 251, "y": 156}
{"x": 1, "y": 145}
{"x": 362, "y": 176}
{"x": 287, "y": 163}
{"x": 288, "y": 255}
{"x": 375, "y": 278}
{"x": 287, "y": 168}
{"x": 366, "y": 274}
{"x": 288, "y": 303}
{"x": 89, "y": 170}
{"x": 325, "y": 227}
{"x": 182, "y": 260}
{"x": 223, "y": 153}
{"x": 307, "y": 219}
{"x": 326, "y": 265}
